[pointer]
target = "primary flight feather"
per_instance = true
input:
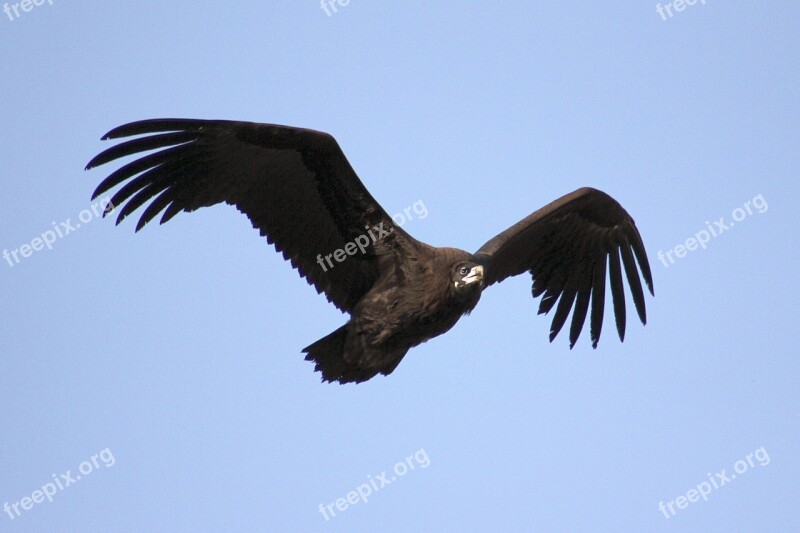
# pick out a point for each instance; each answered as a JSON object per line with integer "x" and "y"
{"x": 298, "y": 189}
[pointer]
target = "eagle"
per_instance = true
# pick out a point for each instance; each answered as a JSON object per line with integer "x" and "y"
{"x": 298, "y": 189}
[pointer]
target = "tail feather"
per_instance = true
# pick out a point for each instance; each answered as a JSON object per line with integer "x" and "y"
{"x": 328, "y": 356}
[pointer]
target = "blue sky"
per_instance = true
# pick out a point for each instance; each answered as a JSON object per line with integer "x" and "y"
{"x": 164, "y": 367}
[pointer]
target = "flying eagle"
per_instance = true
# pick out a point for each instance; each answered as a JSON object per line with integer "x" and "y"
{"x": 298, "y": 189}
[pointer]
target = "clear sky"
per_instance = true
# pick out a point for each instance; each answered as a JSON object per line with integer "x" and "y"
{"x": 154, "y": 381}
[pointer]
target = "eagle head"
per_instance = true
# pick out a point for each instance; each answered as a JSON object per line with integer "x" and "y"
{"x": 466, "y": 276}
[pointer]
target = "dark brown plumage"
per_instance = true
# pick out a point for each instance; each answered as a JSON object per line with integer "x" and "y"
{"x": 298, "y": 189}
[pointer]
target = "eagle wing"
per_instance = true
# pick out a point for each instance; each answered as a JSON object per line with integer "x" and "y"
{"x": 295, "y": 185}
{"x": 566, "y": 246}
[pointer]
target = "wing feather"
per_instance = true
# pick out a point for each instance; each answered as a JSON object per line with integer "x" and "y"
{"x": 598, "y": 300}
{"x": 567, "y": 247}
{"x": 295, "y": 185}
{"x": 617, "y": 292}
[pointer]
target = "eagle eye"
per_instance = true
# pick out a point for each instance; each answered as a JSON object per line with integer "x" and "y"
{"x": 463, "y": 271}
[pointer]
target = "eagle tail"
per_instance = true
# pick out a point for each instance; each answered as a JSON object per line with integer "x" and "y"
{"x": 328, "y": 356}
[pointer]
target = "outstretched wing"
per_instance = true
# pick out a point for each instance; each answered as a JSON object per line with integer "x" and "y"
{"x": 295, "y": 185}
{"x": 566, "y": 246}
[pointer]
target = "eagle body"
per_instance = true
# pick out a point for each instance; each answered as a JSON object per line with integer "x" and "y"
{"x": 299, "y": 191}
{"x": 408, "y": 305}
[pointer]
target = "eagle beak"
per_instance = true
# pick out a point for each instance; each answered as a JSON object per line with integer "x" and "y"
{"x": 476, "y": 274}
